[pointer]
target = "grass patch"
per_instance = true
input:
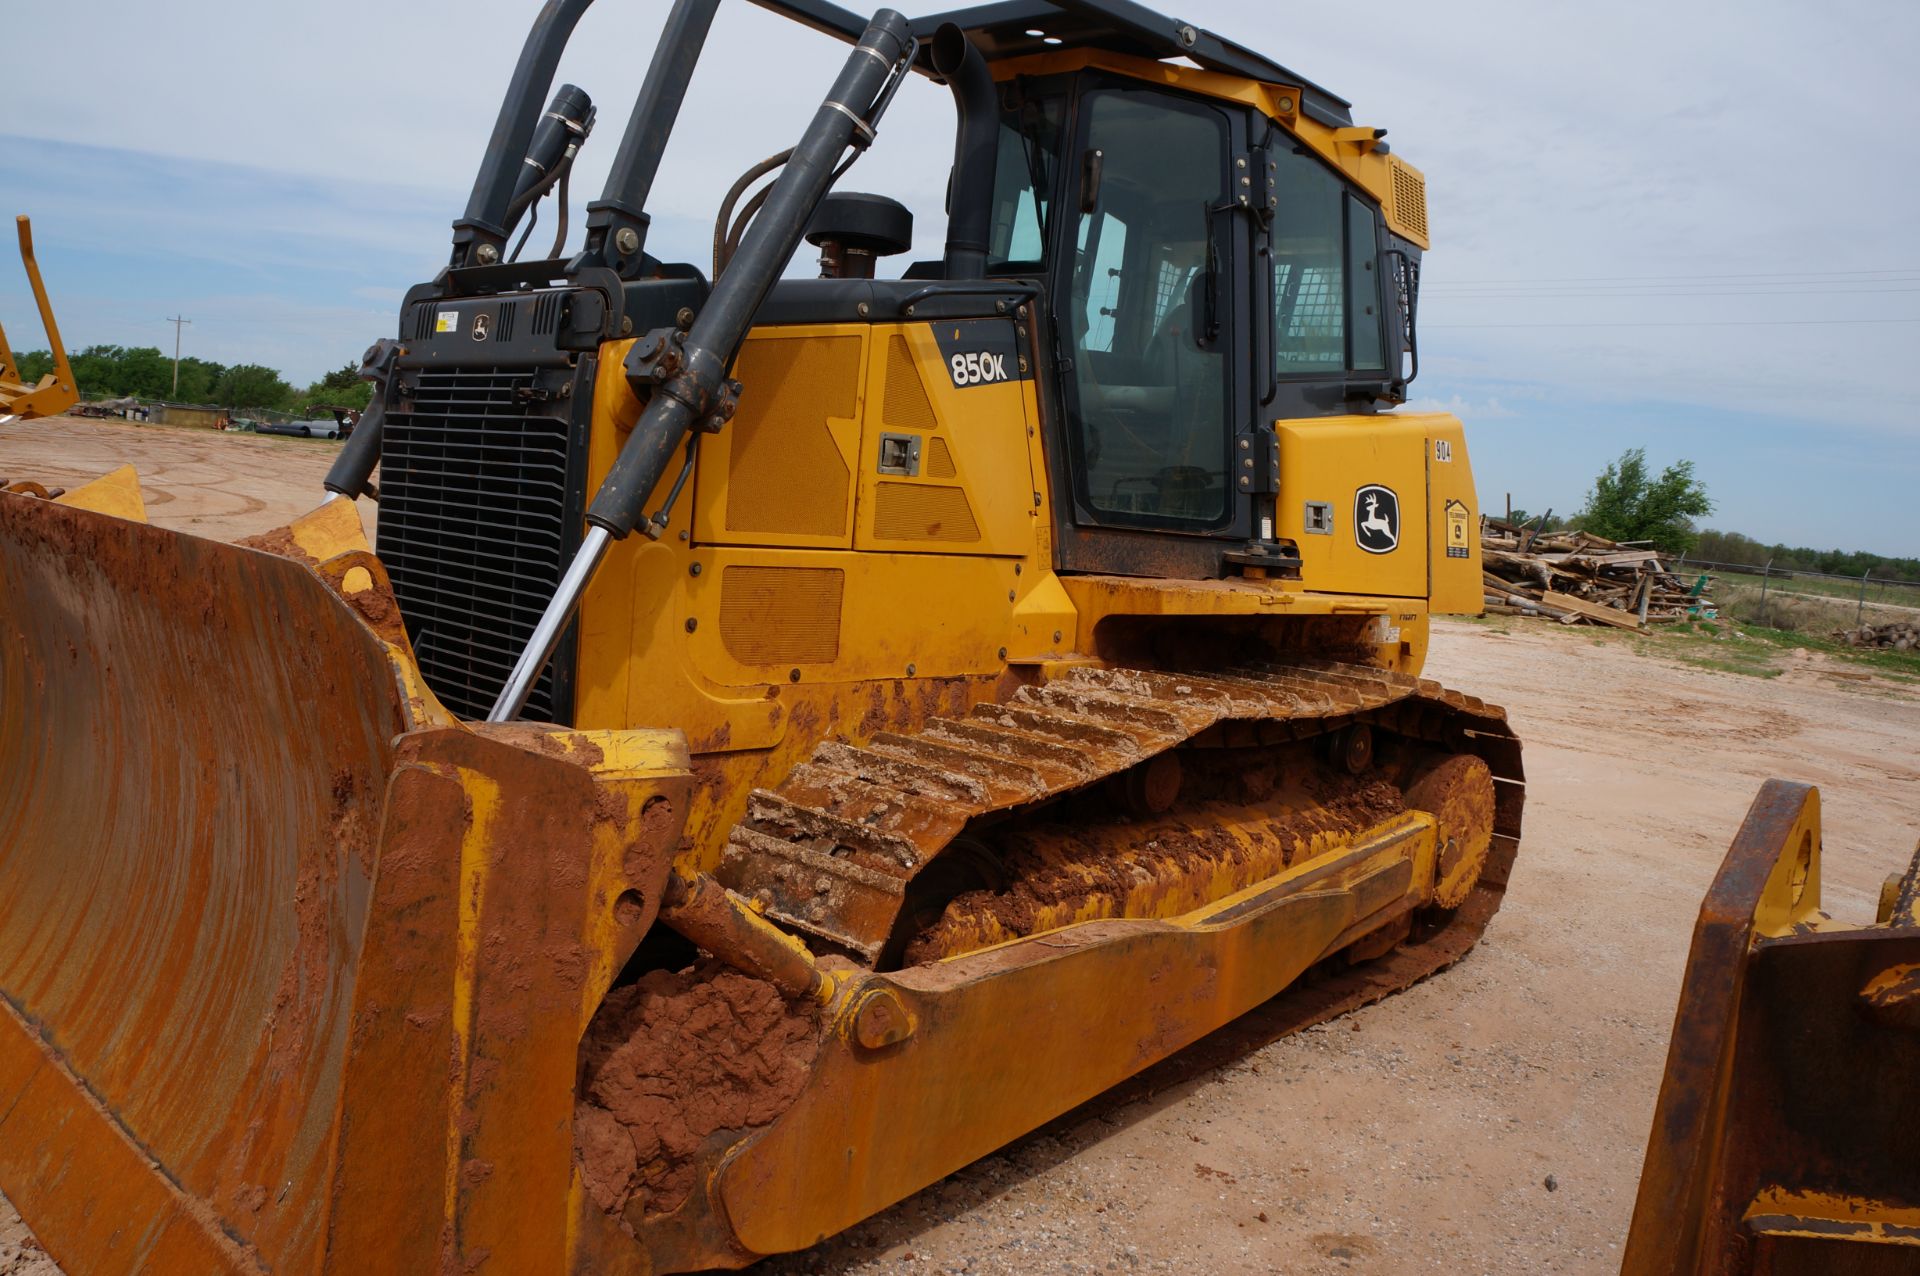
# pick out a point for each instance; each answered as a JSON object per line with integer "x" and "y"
{"x": 1760, "y": 651}
{"x": 1721, "y": 648}
{"x": 1891, "y": 593}
{"x": 1725, "y": 645}
{"x": 1786, "y": 607}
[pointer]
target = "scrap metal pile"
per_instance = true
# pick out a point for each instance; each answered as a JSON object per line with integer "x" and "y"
{"x": 1576, "y": 577}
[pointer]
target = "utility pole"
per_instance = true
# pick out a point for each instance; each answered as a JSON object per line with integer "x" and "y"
{"x": 177, "y": 323}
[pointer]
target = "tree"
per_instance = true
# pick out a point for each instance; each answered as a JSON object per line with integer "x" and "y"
{"x": 340, "y": 379}
{"x": 1627, "y": 505}
{"x": 34, "y": 364}
{"x": 1551, "y": 522}
{"x": 341, "y": 388}
{"x": 251, "y": 385}
{"x": 198, "y": 377}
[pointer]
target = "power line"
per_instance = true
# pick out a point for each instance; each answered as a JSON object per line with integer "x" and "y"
{"x": 1771, "y": 274}
{"x": 1713, "y": 323}
{"x": 1744, "y": 292}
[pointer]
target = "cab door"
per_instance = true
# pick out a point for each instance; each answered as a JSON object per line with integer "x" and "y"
{"x": 1150, "y": 313}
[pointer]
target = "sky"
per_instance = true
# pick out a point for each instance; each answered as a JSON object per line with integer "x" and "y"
{"x": 1685, "y": 227}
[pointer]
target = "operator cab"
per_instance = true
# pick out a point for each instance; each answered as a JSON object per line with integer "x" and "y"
{"x": 1162, "y": 248}
{"x": 1203, "y": 261}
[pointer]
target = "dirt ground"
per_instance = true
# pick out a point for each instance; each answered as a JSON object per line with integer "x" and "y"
{"x": 1420, "y": 1134}
{"x": 208, "y": 482}
{"x": 1489, "y": 1120}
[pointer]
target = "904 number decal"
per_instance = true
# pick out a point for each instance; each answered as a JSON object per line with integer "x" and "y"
{"x": 978, "y": 367}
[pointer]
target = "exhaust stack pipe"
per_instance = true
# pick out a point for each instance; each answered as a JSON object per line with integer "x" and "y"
{"x": 480, "y": 236}
{"x": 970, "y": 196}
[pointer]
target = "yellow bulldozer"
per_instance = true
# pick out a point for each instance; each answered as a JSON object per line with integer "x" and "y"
{"x": 790, "y": 736}
{"x": 54, "y": 392}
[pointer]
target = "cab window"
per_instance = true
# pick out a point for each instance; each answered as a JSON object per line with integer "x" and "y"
{"x": 1150, "y": 376}
{"x": 1326, "y": 288}
{"x": 1024, "y": 166}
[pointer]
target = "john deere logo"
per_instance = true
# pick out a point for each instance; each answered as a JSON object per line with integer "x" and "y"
{"x": 480, "y": 325}
{"x": 1376, "y": 519}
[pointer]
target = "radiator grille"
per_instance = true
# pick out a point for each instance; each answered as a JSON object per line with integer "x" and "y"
{"x": 475, "y": 529}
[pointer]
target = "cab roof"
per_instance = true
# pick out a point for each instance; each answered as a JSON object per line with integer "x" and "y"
{"x": 1022, "y": 28}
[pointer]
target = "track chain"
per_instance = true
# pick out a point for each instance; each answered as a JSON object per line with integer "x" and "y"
{"x": 830, "y": 852}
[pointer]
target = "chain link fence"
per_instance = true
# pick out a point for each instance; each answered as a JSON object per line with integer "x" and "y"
{"x": 1784, "y": 593}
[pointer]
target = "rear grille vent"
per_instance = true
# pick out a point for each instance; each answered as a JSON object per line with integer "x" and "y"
{"x": 477, "y": 518}
{"x": 906, "y": 404}
{"x": 1410, "y": 200}
{"x": 546, "y": 313}
{"x": 503, "y": 331}
{"x": 423, "y": 317}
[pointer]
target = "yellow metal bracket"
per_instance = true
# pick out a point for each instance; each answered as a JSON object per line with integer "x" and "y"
{"x": 55, "y": 392}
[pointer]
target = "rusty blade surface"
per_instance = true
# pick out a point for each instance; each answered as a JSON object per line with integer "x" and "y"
{"x": 193, "y": 748}
{"x": 293, "y": 966}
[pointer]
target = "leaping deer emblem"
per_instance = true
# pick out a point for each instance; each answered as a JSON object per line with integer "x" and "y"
{"x": 1373, "y": 522}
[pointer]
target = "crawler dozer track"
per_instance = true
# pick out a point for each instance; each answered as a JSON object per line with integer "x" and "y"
{"x": 980, "y": 895}
{"x": 839, "y": 849}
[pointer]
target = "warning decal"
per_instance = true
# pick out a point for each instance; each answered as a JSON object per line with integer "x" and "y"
{"x": 1457, "y": 530}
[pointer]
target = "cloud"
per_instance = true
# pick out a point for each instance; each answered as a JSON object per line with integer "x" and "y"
{"x": 1487, "y": 410}
{"x": 1606, "y": 204}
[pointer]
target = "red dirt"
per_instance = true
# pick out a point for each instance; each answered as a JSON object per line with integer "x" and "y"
{"x": 674, "y": 1060}
{"x": 277, "y": 541}
{"x": 376, "y": 606}
{"x": 1170, "y": 848}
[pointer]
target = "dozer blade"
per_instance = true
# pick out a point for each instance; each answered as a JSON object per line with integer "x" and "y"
{"x": 1783, "y": 1138}
{"x": 55, "y": 392}
{"x": 293, "y": 966}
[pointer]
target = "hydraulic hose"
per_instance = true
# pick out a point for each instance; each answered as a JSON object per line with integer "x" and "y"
{"x": 485, "y": 224}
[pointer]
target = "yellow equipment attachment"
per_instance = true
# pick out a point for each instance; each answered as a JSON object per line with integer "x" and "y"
{"x": 55, "y": 392}
{"x": 1783, "y": 1138}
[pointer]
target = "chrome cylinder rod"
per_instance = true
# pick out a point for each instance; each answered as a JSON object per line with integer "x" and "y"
{"x": 546, "y": 634}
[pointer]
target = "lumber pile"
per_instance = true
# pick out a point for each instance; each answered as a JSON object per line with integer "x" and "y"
{"x": 1576, "y": 578}
{"x": 1898, "y": 636}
